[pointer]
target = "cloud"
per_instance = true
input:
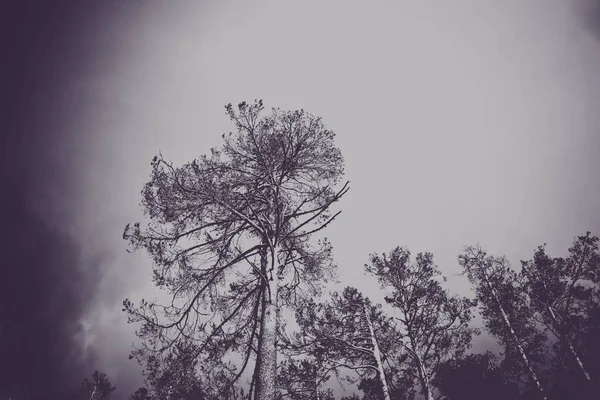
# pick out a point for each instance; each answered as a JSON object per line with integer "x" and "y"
{"x": 588, "y": 12}
{"x": 43, "y": 295}
{"x": 47, "y": 282}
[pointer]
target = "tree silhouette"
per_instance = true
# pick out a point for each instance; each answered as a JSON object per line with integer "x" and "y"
{"x": 433, "y": 325}
{"x": 347, "y": 332}
{"x": 173, "y": 375}
{"x": 559, "y": 290}
{"x": 229, "y": 236}
{"x": 476, "y": 376}
{"x": 97, "y": 388}
{"x": 300, "y": 380}
{"x": 563, "y": 294}
{"x": 400, "y": 389}
{"x": 177, "y": 375}
{"x": 506, "y": 313}
{"x": 142, "y": 394}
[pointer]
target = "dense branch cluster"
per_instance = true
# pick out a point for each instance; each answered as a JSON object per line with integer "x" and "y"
{"x": 229, "y": 232}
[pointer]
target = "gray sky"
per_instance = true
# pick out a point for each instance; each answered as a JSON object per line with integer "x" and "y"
{"x": 460, "y": 122}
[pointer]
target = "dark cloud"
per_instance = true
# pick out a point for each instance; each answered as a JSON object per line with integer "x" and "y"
{"x": 46, "y": 286}
{"x": 43, "y": 295}
{"x": 588, "y": 12}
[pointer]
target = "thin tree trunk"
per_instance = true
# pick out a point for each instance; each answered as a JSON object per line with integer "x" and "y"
{"x": 377, "y": 354}
{"x": 317, "y": 397}
{"x": 424, "y": 377}
{"x": 267, "y": 347}
{"x": 515, "y": 340}
{"x": 93, "y": 392}
{"x": 565, "y": 338}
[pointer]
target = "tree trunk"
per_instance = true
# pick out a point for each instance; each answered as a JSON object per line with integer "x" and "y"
{"x": 423, "y": 376}
{"x": 426, "y": 385}
{"x": 565, "y": 338}
{"x": 515, "y": 340}
{"x": 377, "y": 354}
{"x": 93, "y": 392}
{"x": 317, "y": 397}
{"x": 267, "y": 347}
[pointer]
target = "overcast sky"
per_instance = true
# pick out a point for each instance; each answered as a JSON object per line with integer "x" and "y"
{"x": 460, "y": 122}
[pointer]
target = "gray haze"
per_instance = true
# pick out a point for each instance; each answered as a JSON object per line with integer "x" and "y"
{"x": 460, "y": 122}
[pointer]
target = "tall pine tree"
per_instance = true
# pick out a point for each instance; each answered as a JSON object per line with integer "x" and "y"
{"x": 229, "y": 236}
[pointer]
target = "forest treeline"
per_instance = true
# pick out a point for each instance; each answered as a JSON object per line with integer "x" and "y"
{"x": 545, "y": 318}
{"x": 236, "y": 239}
